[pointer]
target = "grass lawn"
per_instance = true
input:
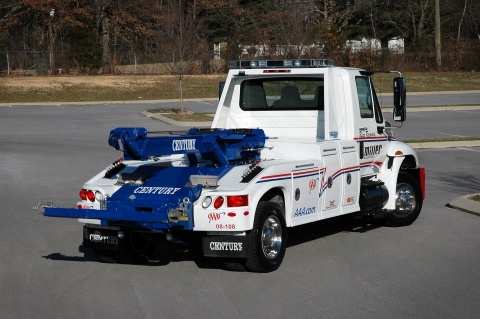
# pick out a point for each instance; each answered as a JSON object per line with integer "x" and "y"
{"x": 21, "y": 89}
{"x": 475, "y": 198}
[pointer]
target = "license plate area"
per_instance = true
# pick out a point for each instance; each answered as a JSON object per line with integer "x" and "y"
{"x": 102, "y": 238}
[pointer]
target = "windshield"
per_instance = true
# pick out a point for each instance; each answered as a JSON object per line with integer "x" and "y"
{"x": 282, "y": 94}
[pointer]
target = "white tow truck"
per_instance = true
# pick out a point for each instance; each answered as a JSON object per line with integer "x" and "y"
{"x": 292, "y": 142}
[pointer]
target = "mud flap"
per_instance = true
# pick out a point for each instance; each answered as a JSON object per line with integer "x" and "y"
{"x": 225, "y": 246}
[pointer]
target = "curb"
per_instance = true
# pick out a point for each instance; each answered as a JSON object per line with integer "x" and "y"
{"x": 466, "y": 205}
{"x": 435, "y": 108}
{"x": 449, "y": 144}
{"x": 173, "y": 122}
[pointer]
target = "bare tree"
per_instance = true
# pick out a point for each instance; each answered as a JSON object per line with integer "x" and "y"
{"x": 334, "y": 13}
{"x": 438, "y": 35}
{"x": 286, "y": 27}
{"x": 184, "y": 43}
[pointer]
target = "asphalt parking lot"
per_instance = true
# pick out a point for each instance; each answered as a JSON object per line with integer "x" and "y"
{"x": 340, "y": 268}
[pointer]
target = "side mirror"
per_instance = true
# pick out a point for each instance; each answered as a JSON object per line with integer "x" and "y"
{"x": 221, "y": 85}
{"x": 399, "y": 99}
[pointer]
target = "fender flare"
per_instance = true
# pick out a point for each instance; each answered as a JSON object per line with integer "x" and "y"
{"x": 398, "y": 149}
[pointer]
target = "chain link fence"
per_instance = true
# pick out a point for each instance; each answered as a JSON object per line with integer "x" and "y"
{"x": 33, "y": 62}
{"x": 464, "y": 58}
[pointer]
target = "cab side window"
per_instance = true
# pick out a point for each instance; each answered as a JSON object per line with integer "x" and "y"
{"x": 364, "y": 97}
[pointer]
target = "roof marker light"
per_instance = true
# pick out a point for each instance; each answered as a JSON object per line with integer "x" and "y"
{"x": 276, "y": 71}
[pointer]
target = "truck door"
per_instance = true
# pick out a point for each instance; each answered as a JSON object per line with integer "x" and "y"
{"x": 306, "y": 184}
{"x": 371, "y": 136}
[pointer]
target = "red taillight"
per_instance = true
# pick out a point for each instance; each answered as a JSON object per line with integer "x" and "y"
{"x": 79, "y": 206}
{"x": 83, "y": 194}
{"x": 91, "y": 196}
{"x": 218, "y": 202}
{"x": 237, "y": 201}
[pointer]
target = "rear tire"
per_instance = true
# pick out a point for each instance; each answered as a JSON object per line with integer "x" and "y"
{"x": 408, "y": 201}
{"x": 268, "y": 238}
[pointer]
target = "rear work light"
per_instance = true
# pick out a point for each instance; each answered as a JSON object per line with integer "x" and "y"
{"x": 237, "y": 201}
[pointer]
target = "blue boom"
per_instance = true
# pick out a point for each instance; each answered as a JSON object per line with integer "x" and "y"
{"x": 213, "y": 144}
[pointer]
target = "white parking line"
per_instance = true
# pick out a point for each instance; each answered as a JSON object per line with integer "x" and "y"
{"x": 468, "y": 149}
{"x": 452, "y": 134}
{"x": 415, "y": 115}
{"x": 468, "y": 112}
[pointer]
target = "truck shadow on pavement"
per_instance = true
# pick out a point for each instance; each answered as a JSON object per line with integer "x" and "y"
{"x": 88, "y": 255}
{"x": 324, "y": 228}
{"x": 164, "y": 255}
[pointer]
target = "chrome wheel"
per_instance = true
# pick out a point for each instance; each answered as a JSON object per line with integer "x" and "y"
{"x": 271, "y": 237}
{"x": 405, "y": 201}
{"x": 408, "y": 201}
{"x": 267, "y": 239}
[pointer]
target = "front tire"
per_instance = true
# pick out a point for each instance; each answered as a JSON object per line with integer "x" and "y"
{"x": 268, "y": 238}
{"x": 408, "y": 201}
